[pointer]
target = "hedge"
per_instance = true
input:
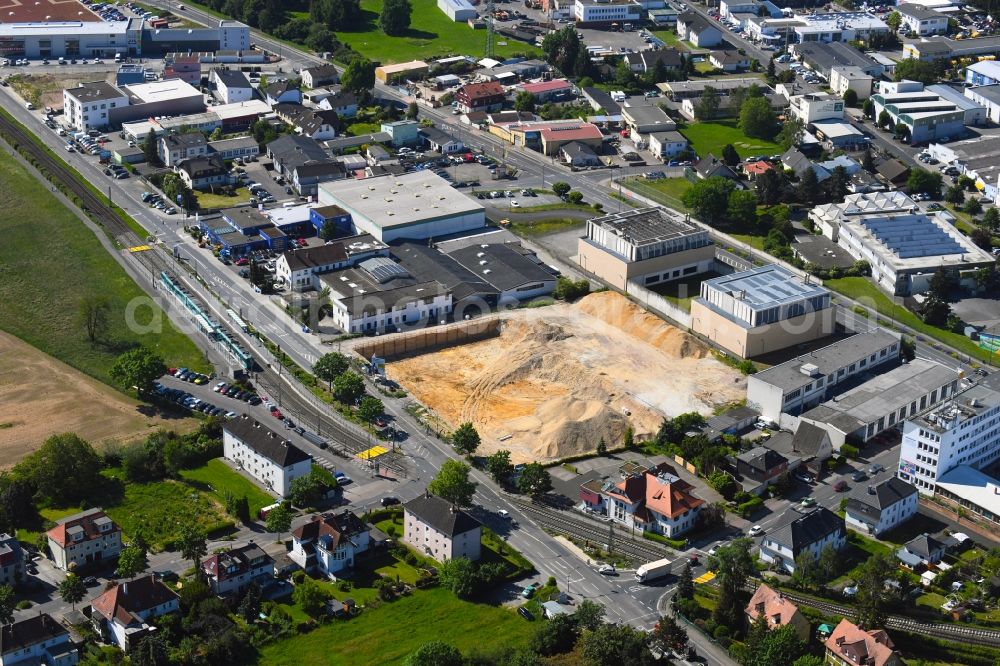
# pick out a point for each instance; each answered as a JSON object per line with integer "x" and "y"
{"x": 676, "y": 544}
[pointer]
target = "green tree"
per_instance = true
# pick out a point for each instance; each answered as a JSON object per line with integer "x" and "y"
{"x": 873, "y": 595}
{"x": 757, "y": 119}
{"x": 307, "y": 490}
{"x": 395, "y": 17}
{"x": 922, "y": 180}
{"x": 458, "y": 575}
{"x": 668, "y": 635}
{"x": 772, "y": 71}
{"x": 808, "y": 660}
{"x": 249, "y": 608}
{"x": 850, "y": 98}
{"x": 279, "y": 519}
{"x": 588, "y": 616}
{"x": 534, "y": 480}
{"x": 560, "y": 188}
{"x": 708, "y": 104}
{"x": 93, "y": 316}
{"x": 791, "y": 133}
{"x": 329, "y": 231}
{"x": 708, "y": 199}
{"x": 991, "y": 219}
{"x": 628, "y": 440}
{"x": 331, "y": 365}
{"x": 741, "y": 209}
{"x": 884, "y": 119}
{"x": 615, "y": 644}
{"x": 602, "y": 447}
{"x": 574, "y": 197}
{"x": 555, "y": 636}
{"x": 912, "y": 69}
{"x": 310, "y": 597}
{"x": 131, "y": 561}
{"x": 868, "y": 108}
{"x": 71, "y": 590}
{"x": 152, "y": 650}
{"x": 807, "y": 572}
{"x": 685, "y": 583}
{"x": 452, "y": 483}
{"x": 149, "y": 149}
{"x": 370, "y": 409}
{"x": 624, "y": 78}
{"x": 138, "y": 368}
{"x": 348, "y": 387}
{"x": 972, "y": 206}
{"x": 955, "y": 195}
{"x": 358, "y": 76}
{"x": 808, "y": 189}
{"x": 412, "y": 111}
{"x": 435, "y": 653}
{"x": 192, "y": 543}
{"x": 63, "y": 470}
{"x": 729, "y": 155}
{"x": 524, "y": 101}
{"x": 894, "y": 20}
{"x": 499, "y": 467}
{"x": 466, "y": 438}
{"x": 733, "y": 566}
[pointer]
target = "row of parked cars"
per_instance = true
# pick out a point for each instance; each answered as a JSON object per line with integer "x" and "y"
{"x": 154, "y": 200}
{"x": 116, "y": 171}
{"x": 500, "y": 194}
{"x": 185, "y": 399}
{"x": 235, "y": 392}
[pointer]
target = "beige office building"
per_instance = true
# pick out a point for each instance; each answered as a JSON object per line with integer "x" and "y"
{"x": 762, "y": 310}
{"x": 647, "y": 246}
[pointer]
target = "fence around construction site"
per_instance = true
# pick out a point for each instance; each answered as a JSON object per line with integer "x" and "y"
{"x": 430, "y": 339}
{"x": 653, "y": 301}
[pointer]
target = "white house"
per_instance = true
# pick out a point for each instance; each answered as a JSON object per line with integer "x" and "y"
{"x": 922, "y": 20}
{"x": 37, "y": 639}
{"x": 231, "y": 571}
{"x": 816, "y": 106}
{"x": 121, "y": 614}
{"x": 698, "y": 30}
{"x": 798, "y": 531}
{"x": 328, "y": 543}
{"x": 231, "y": 86}
{"x": 265, "y": 455}
{"x": 656, "y": 500}
{"x": 175, "y": 148}
{"x": 667, "y": 145}
{"x": 321, "y": 75}
{"x": 87, "y": 106}
{"x": 11, "y": 560}
{"x": 84, "y": 538}
{"x": 438, "y": 528}
{"x": 880, "y": 507}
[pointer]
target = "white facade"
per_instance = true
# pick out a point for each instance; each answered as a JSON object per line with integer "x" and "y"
{"x": 838, "y": 27}
{"x": 333, "y": 550}
{"x": 812, "y": 107}
{"x": 588, "y": 11}
{"x": 457, "y": 10}
{"x": 258, "y": 461}
{"x": 988, "y": 97}
{"x": 53, "y": 647}
{"x": 776, "y": 549}
{"x": 231, "y": 89}
{"x": 379, "y": 311}
{"x": 847, "y": 78}
{"x": 667, "y": 144}
{"x": 428, "y": 540}
{"x": 889, "y": 517}
{"x": 86, "y": 538}
{"x": 922, "y": 21}
{"x": 86, "y": 111}
{"x": 963, "y": 431}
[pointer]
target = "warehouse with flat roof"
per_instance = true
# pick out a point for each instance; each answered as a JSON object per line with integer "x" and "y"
{"x": 415, "y": 206}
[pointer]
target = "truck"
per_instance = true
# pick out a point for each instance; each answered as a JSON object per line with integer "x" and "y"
{"x": 652, "y": 571}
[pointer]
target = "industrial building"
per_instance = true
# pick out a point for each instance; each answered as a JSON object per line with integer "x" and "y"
{"x": 827, "y": 217}
{"x": 681, "y": 90}
{"x": 417, "y": 205}
{"x": 646, "y": 246}
{"x": 978, "y": 159}
{"x": 922, "y": 20}
{"x": 983, "y": 73}
{"x": 938, "y": 47}
{"x": 839, "y": 27}
{"x": 987, "y": 97}
{"x": 761, "y": 310}
{"x": 549, "y": 136}
{"x": 415, "y": 69}
{"x": 596, "y": 13}
{"x": 99, "y": 105}
{"x": 883, "y": 402}
{"x": 822, "y": 58}
{"x": 809, "y": 379}
{"x": 816, "y": 106}
{"x": 457, "y": 10}
{"x": 906, "y": 249}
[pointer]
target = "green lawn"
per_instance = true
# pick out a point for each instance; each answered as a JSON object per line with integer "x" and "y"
{"x": 357, "y": 129}
{"x": 864, "y": 290}
{"x": 671, "y": 39}
{"x": 217, "y": 478}
{"x": 667, "y": 191}
{"x": 43, "y": 238}
{"x": 680, "y": 292}
{"x": 431, "y": 34}
{"x": 207, "y": 200}
{"x": 29, "y": 535}
{"x": 390, "y": 633}
{"x": 545, "y": 226}
{"x": 708, "y": 138}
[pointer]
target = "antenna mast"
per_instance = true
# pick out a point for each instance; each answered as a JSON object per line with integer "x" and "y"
{"x": 490, "y": 9}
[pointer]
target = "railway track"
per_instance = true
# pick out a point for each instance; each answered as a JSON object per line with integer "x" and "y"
{"x": 950, "y": 632}
{"x": 587, "y": 530}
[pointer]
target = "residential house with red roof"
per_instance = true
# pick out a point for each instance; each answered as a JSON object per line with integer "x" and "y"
{"x": 233, "y": 570}
{"x": 548, "y": 91}
{"x": 84, "y": 538}
{"x": 329, "y": 543}
{"x": 486, "y": 97}
{"x": 121, "y": 614}
{"x": 753, "y": 170}
{"x": 656, "y": 500}
{"x": 850, "y": 645}
{"x": 777, "y": 610}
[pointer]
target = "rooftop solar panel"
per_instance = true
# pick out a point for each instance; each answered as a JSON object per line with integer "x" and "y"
{"x": 912, "y": 236}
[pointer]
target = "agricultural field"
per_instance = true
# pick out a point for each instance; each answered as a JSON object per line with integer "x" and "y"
{"x": 43, "y": 237}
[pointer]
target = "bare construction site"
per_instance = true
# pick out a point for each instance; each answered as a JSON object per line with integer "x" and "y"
{"x": 556, "y": 380}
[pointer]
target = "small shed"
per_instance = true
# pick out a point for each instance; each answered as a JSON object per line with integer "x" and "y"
{"x": 551, "y": 609}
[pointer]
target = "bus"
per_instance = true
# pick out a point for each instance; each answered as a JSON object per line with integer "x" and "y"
{"x": 235, "y": 318}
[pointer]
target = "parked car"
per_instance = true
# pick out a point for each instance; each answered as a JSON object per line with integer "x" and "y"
{"x": 840, "y": 486}
{"x": 525, "y": 613}
{"x": 808, "y": 502}
{"x": 529, "y": 591}
{"x": 390, "y": 501}
{"x": 756, "y": 530}
{"x": 858, "y": 476}
{"x": 875, "y": 469}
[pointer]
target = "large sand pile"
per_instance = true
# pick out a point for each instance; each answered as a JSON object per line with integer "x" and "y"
{"x": 560, "y": 378}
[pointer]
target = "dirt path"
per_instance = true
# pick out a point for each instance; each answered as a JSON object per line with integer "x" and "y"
{"x": 41, "y": 396}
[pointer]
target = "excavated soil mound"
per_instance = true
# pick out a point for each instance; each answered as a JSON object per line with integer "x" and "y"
{"x": 559, "y": 379}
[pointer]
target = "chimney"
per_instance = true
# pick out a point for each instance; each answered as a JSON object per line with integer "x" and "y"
{"x": 871, "y": 490}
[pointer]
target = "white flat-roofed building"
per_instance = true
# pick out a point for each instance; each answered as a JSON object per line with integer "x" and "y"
{"x": 89, "y": 105}
{"x": 965, "y": 487}
{"x": 415, "y": 205}
{"x": 963, "y": 431}
{"x": 983, "y": 73}
{"x": 264, "y": 454}
{"x": 851, "y": 77}
{"x": 761, "y": 310}
{"x": 816, "y": 106}
{"x": 906, "y": 249}
{"x": 988, "y": 97}
{"x": 70, "y": 39}
{"x": 884, "y": 402}
{"x": 922, "y": 20}
{"x": 827, "y": 217}
{"x": 607, "y": 11}
{"x": 457, "y": 10}
{"x": 807, "y": 380}
{"x": 928, "y": 114}
{"x": 646, "y": 245}
{"x": 978, "y": 158}
{"x": 839, "y": 27}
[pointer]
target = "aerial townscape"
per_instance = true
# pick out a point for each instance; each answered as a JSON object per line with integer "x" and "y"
{"x": 499, "y": 333}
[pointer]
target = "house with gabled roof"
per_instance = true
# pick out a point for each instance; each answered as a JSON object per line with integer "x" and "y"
{"x": 881, "y": 507}
{"x": 850, "y": 645}
{"x": 264, "y": 454}
{"x": 37, "y": 640}
{"x": 777, "y": 610}
{"x": 800, "y": 530}
{"x": 921, "y": 551}
{"x": 436, "y": 527}
{"x": 329, "y": 543}
{"x": 121, "y": 613}
{"x": 232, "y": 571}
{"x": 657, "y": 500}
{"x": 88, "y": 537}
